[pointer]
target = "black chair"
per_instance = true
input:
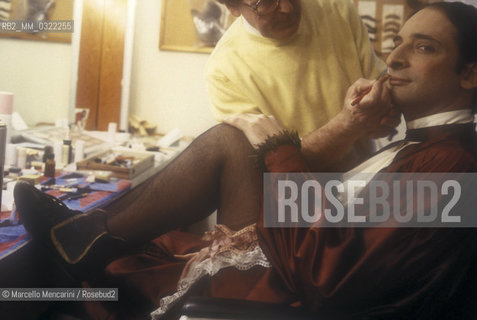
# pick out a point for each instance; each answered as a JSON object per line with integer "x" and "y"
{"x": 231, "y": 309}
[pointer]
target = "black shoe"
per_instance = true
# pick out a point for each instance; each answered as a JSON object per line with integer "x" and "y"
{"x": 79, "y": 241}
{"x": 39, "y": 211}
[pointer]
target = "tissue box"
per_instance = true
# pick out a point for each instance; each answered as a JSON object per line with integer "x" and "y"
{"x": 122, "y": 164}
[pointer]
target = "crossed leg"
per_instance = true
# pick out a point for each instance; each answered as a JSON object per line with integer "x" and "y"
{"x": 215, "y": 172}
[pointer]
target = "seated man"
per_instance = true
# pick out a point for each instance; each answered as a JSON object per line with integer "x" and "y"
{"x": 347, "y": 272}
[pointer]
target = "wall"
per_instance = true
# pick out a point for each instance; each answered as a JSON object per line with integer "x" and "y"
{"x": 167, "y": 88}
{"x": 38, "y": 73}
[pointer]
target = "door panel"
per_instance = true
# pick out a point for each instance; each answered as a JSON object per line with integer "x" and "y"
{"x": 101, "y": 61}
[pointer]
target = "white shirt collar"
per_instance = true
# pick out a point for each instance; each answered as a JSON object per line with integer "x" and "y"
{"x": 450, "y": 117}
{"x": 250, "y": 28}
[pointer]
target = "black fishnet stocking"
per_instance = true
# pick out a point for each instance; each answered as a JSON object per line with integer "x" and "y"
{"x": 214, "y": 172}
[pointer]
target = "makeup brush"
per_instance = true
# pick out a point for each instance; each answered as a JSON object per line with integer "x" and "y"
{"x": 381, "y": 78}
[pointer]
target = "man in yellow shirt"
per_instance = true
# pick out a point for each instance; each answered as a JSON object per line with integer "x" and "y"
{"x": 293, "y": 59}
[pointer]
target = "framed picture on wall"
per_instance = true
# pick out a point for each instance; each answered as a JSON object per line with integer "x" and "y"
{"x": 192, "y": 25}
{"x": 45, "y": 20}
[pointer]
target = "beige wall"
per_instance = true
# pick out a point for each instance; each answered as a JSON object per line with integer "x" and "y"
{"x": 38, "y": 73}
{"x": 167, "y": 88}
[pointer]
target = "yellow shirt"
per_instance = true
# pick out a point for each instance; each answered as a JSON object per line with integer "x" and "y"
{"x": 301, "y": 81}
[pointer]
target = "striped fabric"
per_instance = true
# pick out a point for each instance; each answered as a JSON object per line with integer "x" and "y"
{"x": 5, "y": 8}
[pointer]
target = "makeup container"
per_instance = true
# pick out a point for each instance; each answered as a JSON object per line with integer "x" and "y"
{"x": 50, "y": 165}
{"x": 67, "y": 154}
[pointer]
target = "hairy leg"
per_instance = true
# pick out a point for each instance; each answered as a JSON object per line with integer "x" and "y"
{"x": 215, "y": 172}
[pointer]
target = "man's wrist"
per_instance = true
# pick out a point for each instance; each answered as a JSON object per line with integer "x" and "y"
{"x": 346, "y": 126}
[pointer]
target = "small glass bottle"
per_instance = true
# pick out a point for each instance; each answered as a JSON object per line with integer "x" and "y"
{"x": 50, "y": 165}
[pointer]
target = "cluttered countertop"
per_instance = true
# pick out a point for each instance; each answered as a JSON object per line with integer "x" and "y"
{"x": 85, "y": 169}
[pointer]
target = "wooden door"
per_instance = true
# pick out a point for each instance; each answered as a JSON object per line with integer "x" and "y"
{"x": 101, "y": 55}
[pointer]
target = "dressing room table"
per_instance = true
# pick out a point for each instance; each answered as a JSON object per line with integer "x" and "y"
{"x": 22, "y": 261}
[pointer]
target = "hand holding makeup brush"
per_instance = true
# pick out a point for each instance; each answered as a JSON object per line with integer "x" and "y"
{"x": 361, "y": 96}
{"x": 373, "y": 115}
{"x": 382, "y": 78}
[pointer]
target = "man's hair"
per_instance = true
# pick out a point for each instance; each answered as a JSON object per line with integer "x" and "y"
{"x": 464, "y": 19}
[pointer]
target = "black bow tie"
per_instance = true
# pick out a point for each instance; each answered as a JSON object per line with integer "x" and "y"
{"x": 424, "y": 134}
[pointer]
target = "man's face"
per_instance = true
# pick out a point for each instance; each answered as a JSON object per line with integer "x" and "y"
{"x": 423, "y": 66}
{"x": 281, "y": 24}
